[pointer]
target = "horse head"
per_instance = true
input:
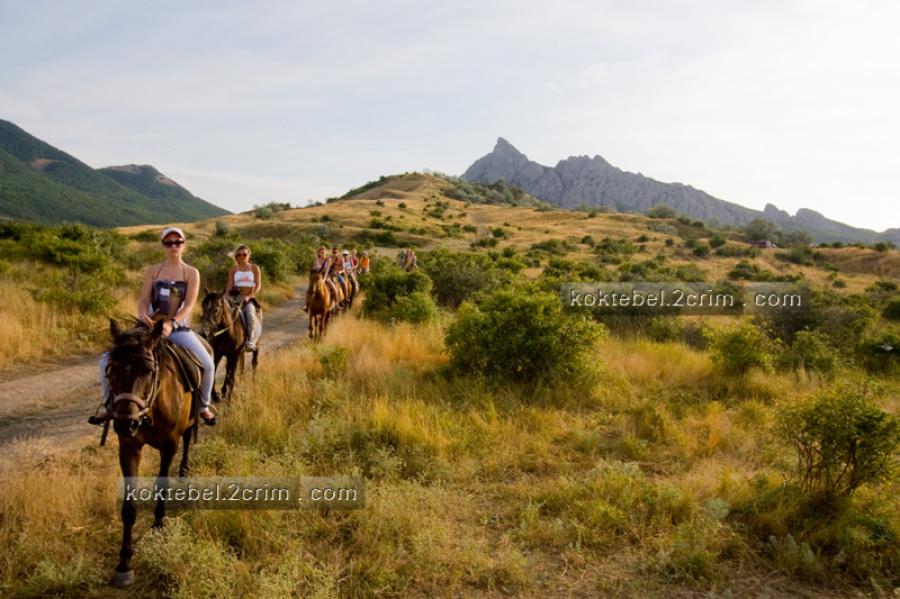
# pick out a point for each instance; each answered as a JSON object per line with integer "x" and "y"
{"x": 215, "y": 313}
{"x": 133, "y": 372}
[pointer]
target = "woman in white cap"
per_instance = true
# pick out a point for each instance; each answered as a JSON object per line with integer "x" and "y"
{"x": 168, "y": 293}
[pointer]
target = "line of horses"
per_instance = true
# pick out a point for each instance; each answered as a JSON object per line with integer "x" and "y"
{"x": 326, "y": 302}
{"x": 153, "y": 406}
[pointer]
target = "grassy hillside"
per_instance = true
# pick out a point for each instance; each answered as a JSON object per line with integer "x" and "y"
{"x": 510, "y": 447}
{"x": 44, "y": 184}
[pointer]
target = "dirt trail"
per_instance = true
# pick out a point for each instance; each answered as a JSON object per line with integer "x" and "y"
{"x": 45, "y": 411}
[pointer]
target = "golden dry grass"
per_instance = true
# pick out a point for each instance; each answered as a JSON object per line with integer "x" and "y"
{"x": 470, "y": 490}
{"x": 31, "y": 330}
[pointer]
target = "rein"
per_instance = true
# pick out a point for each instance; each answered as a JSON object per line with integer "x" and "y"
{"x": 227, "y": 317}
{"x": 144, "y": 405}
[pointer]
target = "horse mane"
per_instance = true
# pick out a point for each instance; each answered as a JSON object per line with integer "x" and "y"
{"x": 130, "y": 340}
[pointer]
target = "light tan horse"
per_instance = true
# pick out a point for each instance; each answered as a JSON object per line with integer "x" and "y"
{"x": 322, "y": 304}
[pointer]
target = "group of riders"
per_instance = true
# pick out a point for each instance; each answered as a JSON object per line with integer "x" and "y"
{"x": 339, "y": 270}
{"x": 169, "y": 294}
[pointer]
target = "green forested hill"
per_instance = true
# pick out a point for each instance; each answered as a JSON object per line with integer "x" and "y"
{"x": 42, "y": 183}
{"x": 148, "y": 181}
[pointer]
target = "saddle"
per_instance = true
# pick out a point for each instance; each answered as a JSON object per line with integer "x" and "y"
{"x": 190, "y": 369}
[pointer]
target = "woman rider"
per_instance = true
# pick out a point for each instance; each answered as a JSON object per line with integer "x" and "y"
{"x": 337, "y": 265}
{"x": 169, "y": 292}
{"x": 322, "y": 264}
{"x": 349, "y": 267}
{"x": 245, "y": 279}
{"x": 364, "y": 263}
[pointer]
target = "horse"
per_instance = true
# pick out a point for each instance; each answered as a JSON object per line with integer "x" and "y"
{"x": 149, "y": 406}
{"x": 222, "y": 326}
{"x": 322, "y": 304}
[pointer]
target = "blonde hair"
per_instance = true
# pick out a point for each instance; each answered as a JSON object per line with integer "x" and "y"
{"x": 243, "y": 246}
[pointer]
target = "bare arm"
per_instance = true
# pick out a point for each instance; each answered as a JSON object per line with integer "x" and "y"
{"x": 143, "y": 306}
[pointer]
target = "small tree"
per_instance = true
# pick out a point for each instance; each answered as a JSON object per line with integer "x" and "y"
{"x": 740, "y": 349}
{"x": 843, "y": 440}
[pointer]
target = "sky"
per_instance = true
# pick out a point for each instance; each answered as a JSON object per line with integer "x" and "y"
{"x": 790, "y": 102}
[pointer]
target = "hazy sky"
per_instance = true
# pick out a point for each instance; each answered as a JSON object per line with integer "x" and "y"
{"x": 790, "y": 102}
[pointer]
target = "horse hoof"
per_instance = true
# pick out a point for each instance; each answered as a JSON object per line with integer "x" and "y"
{"x": 120, "y": 580}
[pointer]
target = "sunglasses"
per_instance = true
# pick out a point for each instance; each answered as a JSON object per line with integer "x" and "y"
{"x": 241, "y": 254}
{"x": 173, "y": 242}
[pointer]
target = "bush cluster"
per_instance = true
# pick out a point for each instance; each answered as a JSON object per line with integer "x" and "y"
{"x": 523, "y": 336}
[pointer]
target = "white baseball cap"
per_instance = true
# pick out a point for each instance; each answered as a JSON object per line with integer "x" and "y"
{"x": 169, "y": 230}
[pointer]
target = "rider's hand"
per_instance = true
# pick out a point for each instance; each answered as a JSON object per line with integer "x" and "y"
{"x": 167, "y": 328}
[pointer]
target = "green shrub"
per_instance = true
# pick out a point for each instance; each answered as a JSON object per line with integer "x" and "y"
{"x": 458, "y": 276}
{"x": 693, "y": 333}
{"x": 416, "y": 307}
{"x": 223, "y": 229}
{"x": 386, "y": 284}
{"x": 892, "y": 310}
{"x": 740, "y": 349}
{"x": 523, "y": 336}
{"x": 662, "y": 211}
{"x": 809, "y": 351}
{"x": 880, "y": 353}
{"x": 843, "y": 440}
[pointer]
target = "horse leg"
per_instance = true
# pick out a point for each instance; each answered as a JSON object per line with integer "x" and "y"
{"x": 255, "y": 360}
{"x": 185, "y": 468}
{"x": 230, "y": 366}
{"x": 166, "y": 454}
{"x": 217, "y": 357}
{"x": 129, "y": 461}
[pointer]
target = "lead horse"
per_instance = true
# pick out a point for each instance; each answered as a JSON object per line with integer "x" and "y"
{"x": 149, "y": 406}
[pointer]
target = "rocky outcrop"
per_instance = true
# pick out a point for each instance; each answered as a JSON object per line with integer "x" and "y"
{"x": 581, "y": 180}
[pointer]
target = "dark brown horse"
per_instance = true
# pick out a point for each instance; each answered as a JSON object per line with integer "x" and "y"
{"x": 222, "y": 326}
{"x": 322, "y": 304}
{"x": 149, "y": 406}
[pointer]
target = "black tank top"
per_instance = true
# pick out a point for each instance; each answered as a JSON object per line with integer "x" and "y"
{"x": 167, "y": 297}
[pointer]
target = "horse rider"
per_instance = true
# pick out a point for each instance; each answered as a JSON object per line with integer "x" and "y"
{"x": 321, "y": 264}
{"x": 364, "y": 264}
{"x": 337, "y": 265}
{"x": 349, "y": 268}
{"x": 410, "y": 263}
{"x": 169, "y": 292}
{"x": 245, "y": 280}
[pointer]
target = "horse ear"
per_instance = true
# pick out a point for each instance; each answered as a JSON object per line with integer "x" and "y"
{"x": 114, "y": 329}
{"x": 205, "y": 289}
{"x": 156, "y": 333}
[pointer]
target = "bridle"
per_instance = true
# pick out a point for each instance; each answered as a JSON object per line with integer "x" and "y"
{"x": 144, "y": 404}
{"x": 223, "y": 315}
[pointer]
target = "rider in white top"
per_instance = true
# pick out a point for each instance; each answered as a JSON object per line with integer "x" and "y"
{"x": 245, "y": 279}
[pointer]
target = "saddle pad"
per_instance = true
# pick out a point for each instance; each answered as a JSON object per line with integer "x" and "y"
{"x": 190, "y": 370}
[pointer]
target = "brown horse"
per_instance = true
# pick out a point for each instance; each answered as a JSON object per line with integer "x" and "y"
{"x": 222, "y": 326}
{"x": 346, "y": 289}
{"x": 149, "y": 406}
{"x": 322, "y": 304}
